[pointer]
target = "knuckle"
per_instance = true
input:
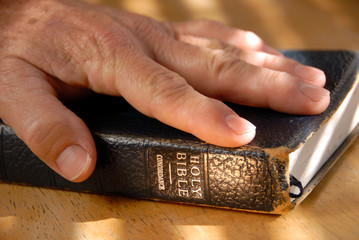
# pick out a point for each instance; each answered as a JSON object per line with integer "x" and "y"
{"x": 102, "y": 42}
{"x": 168, "y": 90}
{"x": 145, "y": 26}
{"x": 230, "y": 48}
{"x": 259, "y": 59}
{"x": 222, "y": 65}
{"x": 94, "y": 44}
{"x": 152, "y": 34}
{"x": 106, "y": 39}
{"x": 109, "y": 55}
{"x": 275, "y": 79}
{"x": 223, "y": 69}
{"x": 226, "y": 47}
{"x": 265, "y": 59}
{"x": 42, "y": 138}
{"x": 169, "y": 29}
{"x": 277, "y": 83}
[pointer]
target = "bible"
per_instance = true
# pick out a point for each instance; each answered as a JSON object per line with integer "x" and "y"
{"x": 140, "y": 157}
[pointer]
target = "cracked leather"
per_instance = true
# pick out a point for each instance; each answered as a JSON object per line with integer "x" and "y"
{"x": 143, "y": 158}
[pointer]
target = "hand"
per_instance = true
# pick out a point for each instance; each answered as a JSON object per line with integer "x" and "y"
{"x": 57, "y": 50}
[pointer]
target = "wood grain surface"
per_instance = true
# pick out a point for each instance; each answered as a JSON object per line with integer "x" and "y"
{"x": 330, "y": 212}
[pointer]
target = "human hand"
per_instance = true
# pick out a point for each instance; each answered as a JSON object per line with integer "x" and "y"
{"x": 54, "y": 50}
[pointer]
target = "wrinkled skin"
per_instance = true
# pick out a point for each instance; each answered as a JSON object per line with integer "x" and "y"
{"x": 60, "y": 50}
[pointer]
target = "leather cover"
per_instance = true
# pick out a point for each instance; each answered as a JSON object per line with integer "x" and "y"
{"x": 143, "y": 158}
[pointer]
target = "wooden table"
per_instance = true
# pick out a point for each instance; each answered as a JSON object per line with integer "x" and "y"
{"x": 330, "y": 212}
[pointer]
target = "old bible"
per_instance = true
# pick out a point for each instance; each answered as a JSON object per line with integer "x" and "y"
{"x": 142, "y": 158}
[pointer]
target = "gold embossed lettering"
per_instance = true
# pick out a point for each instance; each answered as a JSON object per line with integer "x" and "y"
{"x": 195, "y": 182}
{"x": 189, "y": 172}
{"x": 195, "y": 171}
{"x": 194, "y": 159}
{"x": 181, "y": 172}
{"x": 182, "y": 183}
{"x": 197, "y": 191}
{"x": 161, "y": 182}
{"x": 181, "y": 156}
{"x": 183, "y": 192}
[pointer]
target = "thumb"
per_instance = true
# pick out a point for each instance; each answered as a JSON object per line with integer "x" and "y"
{"x": 28, "y": 103}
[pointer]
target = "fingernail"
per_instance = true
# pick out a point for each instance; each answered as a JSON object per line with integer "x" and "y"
{"x": 312, "y": 92}
{"x": 309, "y": 73}
{"x": 73, "y": 161}
{"x": 241, "y": 127}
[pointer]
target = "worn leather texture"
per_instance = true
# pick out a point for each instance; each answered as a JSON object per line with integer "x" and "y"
{"x": 143, "y": 158}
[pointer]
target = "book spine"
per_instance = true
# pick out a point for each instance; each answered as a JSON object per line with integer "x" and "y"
{"x": 245, "y": 178}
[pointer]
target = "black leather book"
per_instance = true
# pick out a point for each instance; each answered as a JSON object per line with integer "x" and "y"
{"x": 142, "y": 158}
